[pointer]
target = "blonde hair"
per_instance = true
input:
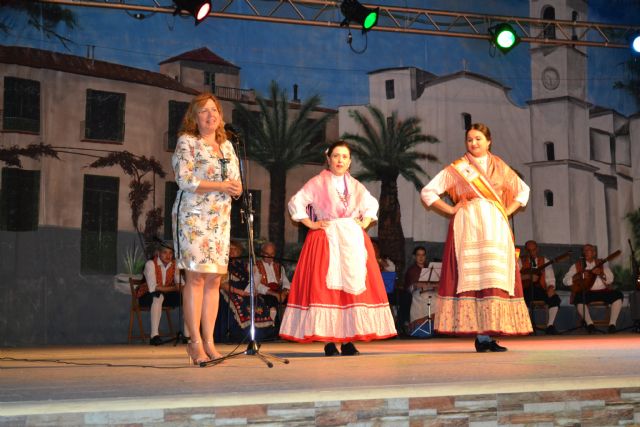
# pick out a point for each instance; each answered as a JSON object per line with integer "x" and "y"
{"x": 190, "y": 123}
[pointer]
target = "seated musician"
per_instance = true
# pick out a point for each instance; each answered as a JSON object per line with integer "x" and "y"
{"x": 423, "y": 293}
{"x": 384, "y": 262}
{"x": 590, "y": 284}
{"x": 270, "y": 278}
{"x": 539, "y": 285}
{"x": 161, "y": 288}
{"x": 235, "y": 291}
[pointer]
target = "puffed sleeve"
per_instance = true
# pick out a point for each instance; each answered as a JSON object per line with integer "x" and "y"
{"x": 370, "y": 208}
{"x": 437, "y": 186}
{"x": 299, "y": 202}
{"x": 523, "y": 192}
{"x": 183, "y": 161}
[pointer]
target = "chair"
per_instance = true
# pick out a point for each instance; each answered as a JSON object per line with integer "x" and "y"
{"x": 136, "y": 309}
{"x": 600, "y": 321}
{"x": 604, "y": 320}
{"x": 537, "y": 305}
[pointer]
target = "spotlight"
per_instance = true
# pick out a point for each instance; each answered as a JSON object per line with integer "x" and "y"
{"x": 635, "y": 44}
{"x": 353, "y": 11}
{"x": 199, "y": 9}
{"x": 504, "y": 37}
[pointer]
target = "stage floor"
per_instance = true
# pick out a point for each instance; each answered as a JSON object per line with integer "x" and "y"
{"x": 102, "y": 379}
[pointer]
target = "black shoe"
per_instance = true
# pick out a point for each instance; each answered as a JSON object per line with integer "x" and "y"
{"x": 330, "y": 349}
{"x": 493, "y": 346}
{"x": 551, "y": 330}
{"x": 156, "y": 340}
{"x": 591, "y": 328}
{"x": 348, "y": 349}
{"x": 612, "y": 329}
{"x": 482, "y": 347}
{"x": 497, "y": 348}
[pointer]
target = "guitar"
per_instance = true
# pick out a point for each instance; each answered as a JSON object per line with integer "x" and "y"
{"x": 583, "y": 281}
{"x": 530, "y": 272}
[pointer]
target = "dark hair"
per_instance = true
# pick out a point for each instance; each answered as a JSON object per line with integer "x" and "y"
{"x": 338, "y": 144}
{"x": 530, "y": 241}
{"x": 480, "y": 127}
{"x": 418, "y": 248}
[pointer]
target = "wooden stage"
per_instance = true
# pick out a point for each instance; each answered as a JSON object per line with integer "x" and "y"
{"x": 542, "y": 380}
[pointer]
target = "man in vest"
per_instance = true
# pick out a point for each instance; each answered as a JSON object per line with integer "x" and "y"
{"x": 270, "y": 279}
{"x": 161, "y": 277}
{"x": 539, "y": 285}
{"x": 600, "y": 290}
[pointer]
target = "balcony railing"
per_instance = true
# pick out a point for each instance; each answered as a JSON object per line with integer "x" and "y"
{"x": 234, "y": 93}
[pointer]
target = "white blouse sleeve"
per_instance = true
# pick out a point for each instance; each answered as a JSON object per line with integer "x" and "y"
{"x": 183, "y": 164}
{"x": 370, "y": 208}
{"x": 298, "y": 204}
{"x": 567, "y": 280}
{"x": 432, "y": 191}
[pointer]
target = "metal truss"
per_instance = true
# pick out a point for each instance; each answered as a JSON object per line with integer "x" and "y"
{"x": 326, "y": 13}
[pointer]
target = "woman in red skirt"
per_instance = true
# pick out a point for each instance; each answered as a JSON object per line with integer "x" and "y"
{"x": 480, "y": 292}
{"x": 337, "y": 294}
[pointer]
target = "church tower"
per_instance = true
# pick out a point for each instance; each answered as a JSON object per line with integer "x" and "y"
{"x": 562, "y": 197}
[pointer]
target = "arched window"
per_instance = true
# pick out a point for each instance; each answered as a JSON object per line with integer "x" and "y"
{"x": 550, "y": 30}
{"x": 548, "y": 197}
{"x": 550, "y": 150}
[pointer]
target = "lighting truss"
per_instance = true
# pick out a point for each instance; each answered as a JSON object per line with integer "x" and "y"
{"x": 326, "y": 13}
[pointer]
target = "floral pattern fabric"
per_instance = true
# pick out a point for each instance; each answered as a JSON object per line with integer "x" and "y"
{"x": 202, "y": 221}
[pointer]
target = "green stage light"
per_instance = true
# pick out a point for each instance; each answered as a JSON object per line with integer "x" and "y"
{"x": 353, "y": 11}
{"x": 504, "y": 37}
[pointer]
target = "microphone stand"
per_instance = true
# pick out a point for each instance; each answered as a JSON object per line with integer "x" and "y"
{"x": 253, "y": 348}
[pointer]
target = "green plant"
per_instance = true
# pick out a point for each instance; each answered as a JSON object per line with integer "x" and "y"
{"x": 623, "y": 279}
{"x": 133, "y": 260}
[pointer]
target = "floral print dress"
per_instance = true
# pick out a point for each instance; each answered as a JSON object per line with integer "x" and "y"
{"x": 202, "y": 221}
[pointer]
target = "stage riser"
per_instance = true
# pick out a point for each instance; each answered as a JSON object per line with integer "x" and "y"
{"x": 597, "y": 407}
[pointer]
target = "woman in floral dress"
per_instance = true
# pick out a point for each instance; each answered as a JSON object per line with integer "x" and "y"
{"x": 207, "y": 174}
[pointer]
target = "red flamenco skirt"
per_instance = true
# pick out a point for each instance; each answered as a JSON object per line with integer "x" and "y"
{"x": 316, "y": 313}
{"x": 489, "y": 311}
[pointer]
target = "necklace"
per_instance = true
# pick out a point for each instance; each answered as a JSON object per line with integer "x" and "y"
{"x": 344, "y": 197}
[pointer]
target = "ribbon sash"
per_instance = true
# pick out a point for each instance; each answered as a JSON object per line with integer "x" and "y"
{"x": 482, "y": 187}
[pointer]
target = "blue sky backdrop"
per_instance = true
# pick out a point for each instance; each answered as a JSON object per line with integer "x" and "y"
{"x": 319, "y": 59}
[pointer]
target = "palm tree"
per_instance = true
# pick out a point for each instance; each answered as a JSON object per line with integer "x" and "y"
{"x": 387, "y": 150}
{"x": 279, "y": 142}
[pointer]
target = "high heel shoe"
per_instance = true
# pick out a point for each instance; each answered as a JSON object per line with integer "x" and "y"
{"x": 197, "y": 359}
{"x": 214, "y": 354}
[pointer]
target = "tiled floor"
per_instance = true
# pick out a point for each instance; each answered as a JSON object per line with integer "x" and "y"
{"x": 540, "y": 380}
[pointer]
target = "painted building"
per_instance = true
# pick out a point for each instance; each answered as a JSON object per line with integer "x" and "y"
{"x": 581, "y": 160}
{"x": 65, "y": 227}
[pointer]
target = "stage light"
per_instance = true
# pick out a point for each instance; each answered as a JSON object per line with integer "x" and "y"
{"x": 504, "y": 37}
{"x": 353, "y": 11}
{"x": 199, "y": 9}
{"x": 635, "y": 44}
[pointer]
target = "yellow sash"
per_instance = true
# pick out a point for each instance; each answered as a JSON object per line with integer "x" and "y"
{"x": 481, "y": 186}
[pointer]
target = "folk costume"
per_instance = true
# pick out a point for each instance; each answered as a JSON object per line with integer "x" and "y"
{"x": 480, "y": 290}
{"x": 337, "y": 293}
{"x": 241, "y": 305}
{"x": 538, "y": 291}
{"x": 600, "y": 291}
{"x": 156, "y": 273}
